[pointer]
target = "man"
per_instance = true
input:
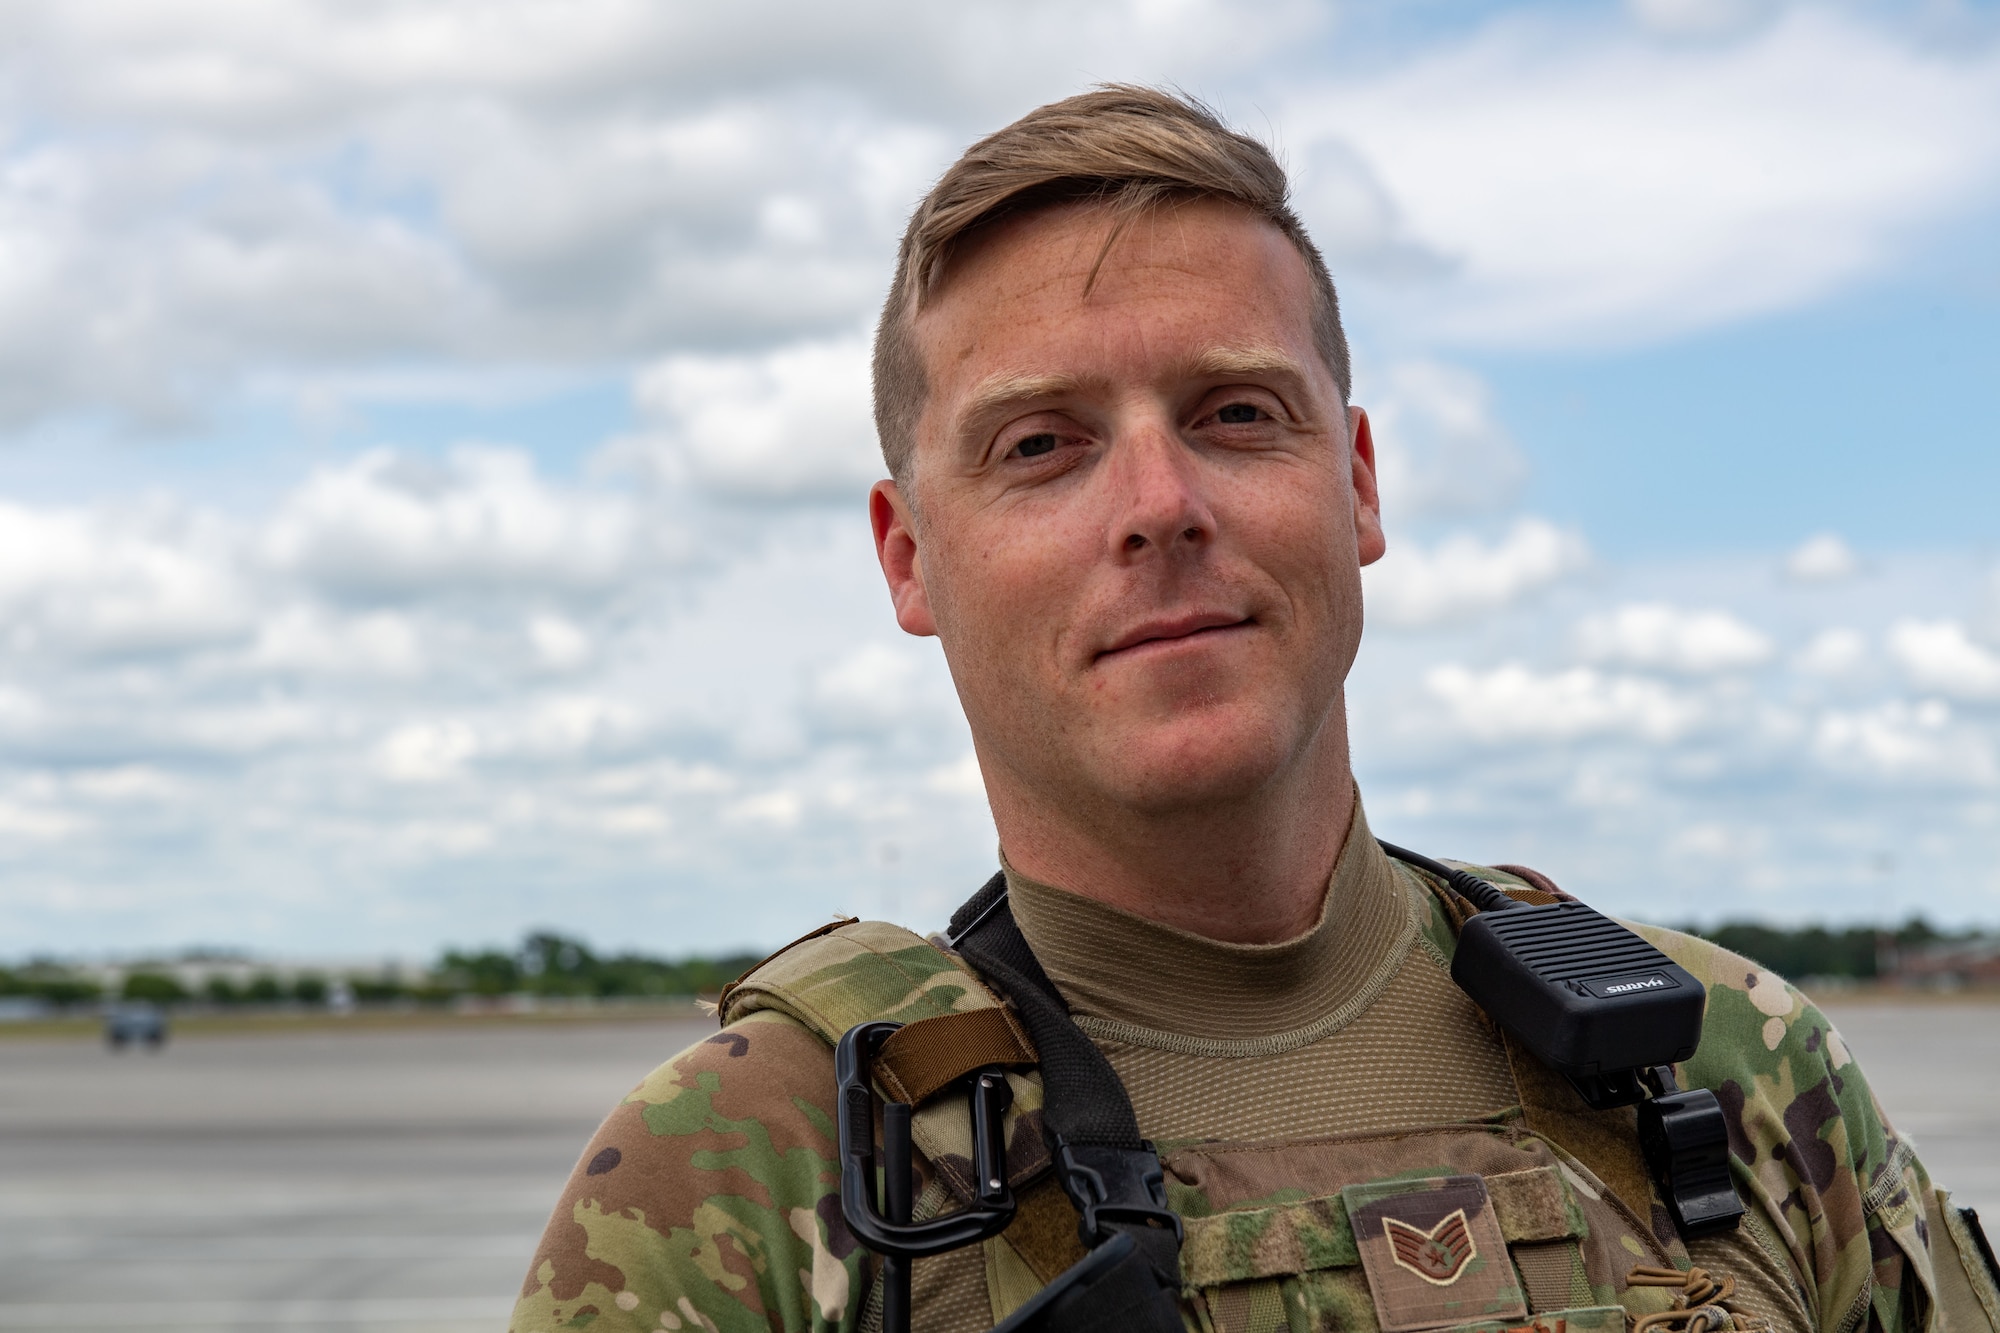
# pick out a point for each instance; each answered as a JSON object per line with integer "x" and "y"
{"x": 1131, "y": 500}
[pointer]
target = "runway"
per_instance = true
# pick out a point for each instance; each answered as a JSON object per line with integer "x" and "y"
{"x": 394, "y": 1181}
{"x": 388, "y": 1181}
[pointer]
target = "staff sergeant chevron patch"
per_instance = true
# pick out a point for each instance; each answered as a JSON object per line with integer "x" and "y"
{"x": 1438, "y": 1255}
{"x": 1433, "y": 1253}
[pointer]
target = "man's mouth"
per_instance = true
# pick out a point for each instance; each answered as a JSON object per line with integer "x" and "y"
{"x": 1176, "y": 629}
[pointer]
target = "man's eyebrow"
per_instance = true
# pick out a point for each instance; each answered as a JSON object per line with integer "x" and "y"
{"x": 1003, "y": 391}
{"x": 1250, "y": 360}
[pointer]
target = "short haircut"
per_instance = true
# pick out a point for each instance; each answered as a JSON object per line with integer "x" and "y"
{"x": 1134, "y": 148}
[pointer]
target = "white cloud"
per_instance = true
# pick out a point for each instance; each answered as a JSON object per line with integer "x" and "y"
{"x": 37, "y": 824}
{"x": 116, "y": 581}
{"x": 1824, "y": 558}
{"x": 1719, "y": 841}
{"x": 314, "y": 639}
{"x": 1701, "y": 18}
{"x": 1941, "y": 655}
{"x": 714, "y": 731}
{"x": 1512, "y": 702}
{"x": 960, "y": 778}
{"x": 1899, "y": 740}
{"x": 1579, "y": 185}
{"x": 794, "y": 423}
{"x": 213, "y": 195}
{"x": 413, "y": 692}
{"x": 427, "y": 751}
{"x": 870, "y": 684}
{"x": 1649, "y": 634}
{"x": 321, "y": 193}
{"x": 773, "y": 809}
{"x": 1439, "y": 449}
{"x": 389, "y": 525}
{"x": 1832, "y": 652}
{"x": 1463, "y": 575}
{"x": 560, "y": 644}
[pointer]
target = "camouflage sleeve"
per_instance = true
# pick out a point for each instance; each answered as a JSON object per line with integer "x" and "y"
{"x": 707, "y": 1201}
{"x": 1814, "y": 1154}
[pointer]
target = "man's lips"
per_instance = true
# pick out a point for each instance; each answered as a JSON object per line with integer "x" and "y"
{"x": 1173, "y": 629}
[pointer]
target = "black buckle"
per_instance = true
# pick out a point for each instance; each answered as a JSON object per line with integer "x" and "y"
{"x": 1685, "y": 1139}
{"x": 888, "y": 1231}
{"x": 1086, "y": 1272}
{"x": 1114, "y": 1185}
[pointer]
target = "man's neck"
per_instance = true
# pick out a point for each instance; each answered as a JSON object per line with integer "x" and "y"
{"x": 1252, "y": 871}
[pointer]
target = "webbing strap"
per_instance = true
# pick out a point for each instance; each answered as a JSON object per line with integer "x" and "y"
{"x": 1085, "y": 1102}
{"x": 1553, "y": 1273}
{"x": 1085, "y": 1107}
{"x": 922, "y": 1058}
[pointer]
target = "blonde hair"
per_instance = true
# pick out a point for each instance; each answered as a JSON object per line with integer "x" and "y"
{"x": 1135, "y": 148}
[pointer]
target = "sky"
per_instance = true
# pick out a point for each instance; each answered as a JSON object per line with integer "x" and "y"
{"x": 433, "y": 444}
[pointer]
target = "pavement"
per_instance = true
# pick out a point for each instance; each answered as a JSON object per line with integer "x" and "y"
{"x": 1935, "y": 1067}
{"x": 395, "y": 1181}
{"x": 389, "y": 1181}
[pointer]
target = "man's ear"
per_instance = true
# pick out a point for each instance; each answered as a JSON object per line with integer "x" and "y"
{"x": 902, "y": 564}
{"x": 1369, "y": 539}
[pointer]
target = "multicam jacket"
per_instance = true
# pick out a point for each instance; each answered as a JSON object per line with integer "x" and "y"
{"x": 709, "y": 1197}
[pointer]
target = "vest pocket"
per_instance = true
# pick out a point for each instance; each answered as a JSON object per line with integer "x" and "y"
{"x": 1249, "y": 1307}
{"x": 1457, "y": 1252}
{"x": 1334, "y": 1301}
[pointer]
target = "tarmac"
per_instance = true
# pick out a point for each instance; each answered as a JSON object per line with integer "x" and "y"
{"x": 390, "y": 1180}
{"x": 386, "y": 1180}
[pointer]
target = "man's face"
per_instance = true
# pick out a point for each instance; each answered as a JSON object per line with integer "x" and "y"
{"x": 1139, "y": 521}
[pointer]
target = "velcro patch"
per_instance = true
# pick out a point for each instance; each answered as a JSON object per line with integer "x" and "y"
{"x": 1433, "y": 1253}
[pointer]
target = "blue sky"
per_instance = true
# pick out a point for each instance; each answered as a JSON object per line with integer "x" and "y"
{"x": 432, "y": 442}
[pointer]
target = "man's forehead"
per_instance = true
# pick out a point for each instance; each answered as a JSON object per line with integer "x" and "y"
{"x": 1085, "y": 238}
{"x": 1041, "y": 308}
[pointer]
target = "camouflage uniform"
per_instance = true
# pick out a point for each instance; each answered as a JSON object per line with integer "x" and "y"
{"x": 708, "y": 1199}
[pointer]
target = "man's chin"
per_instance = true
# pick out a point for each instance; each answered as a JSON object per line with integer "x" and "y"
{"x": 1217, "y": 764}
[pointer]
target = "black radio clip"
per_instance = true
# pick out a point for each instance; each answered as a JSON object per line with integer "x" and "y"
{"x": 1612, "y": 1014}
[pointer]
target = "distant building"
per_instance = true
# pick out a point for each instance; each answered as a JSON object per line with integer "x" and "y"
{"x": 1946, "y": 965}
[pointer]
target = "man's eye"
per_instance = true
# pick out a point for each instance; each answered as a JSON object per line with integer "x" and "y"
{"x": 1238, "y": 414}
{"x": 1034, "y": 446}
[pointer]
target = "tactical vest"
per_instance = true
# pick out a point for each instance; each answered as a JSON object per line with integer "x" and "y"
{"x": 1540, "y": 1218}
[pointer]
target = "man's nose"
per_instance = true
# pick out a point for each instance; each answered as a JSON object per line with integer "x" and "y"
{"x": 1162, "y": 506}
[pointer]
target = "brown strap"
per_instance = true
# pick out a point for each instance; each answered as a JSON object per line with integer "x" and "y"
{"x": 920, "y": 1058}
{"x": 1538, "y": 879}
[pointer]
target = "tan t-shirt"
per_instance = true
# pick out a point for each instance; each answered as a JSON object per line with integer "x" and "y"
{"x": 1354, "y": 1026}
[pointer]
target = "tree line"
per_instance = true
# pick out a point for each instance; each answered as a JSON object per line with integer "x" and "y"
{"x": 547, "y": 964}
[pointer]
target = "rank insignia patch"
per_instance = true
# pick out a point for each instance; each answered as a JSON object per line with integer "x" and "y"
{"x": 1438, "y": 1255}
{"x": 1433, "y": 1253}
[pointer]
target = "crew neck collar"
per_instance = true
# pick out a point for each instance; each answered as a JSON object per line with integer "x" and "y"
{"x": 1123, "y": 969}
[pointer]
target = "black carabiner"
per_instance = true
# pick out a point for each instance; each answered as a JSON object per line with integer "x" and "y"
{"x": 888, "y": 1231}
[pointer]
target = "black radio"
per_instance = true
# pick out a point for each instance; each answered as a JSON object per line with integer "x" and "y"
{"x": 1601, "y": 1006}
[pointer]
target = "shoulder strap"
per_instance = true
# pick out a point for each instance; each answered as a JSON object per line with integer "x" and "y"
{"x": 1111, "y": 1174}
{"x": 854, "y": 972}
{"x": 1086, "y": 1101}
